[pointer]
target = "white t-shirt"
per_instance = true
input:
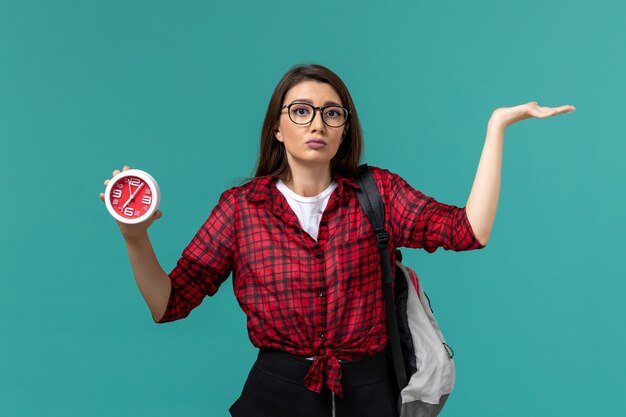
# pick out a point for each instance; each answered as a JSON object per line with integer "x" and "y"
{"x": 308, "y": 209}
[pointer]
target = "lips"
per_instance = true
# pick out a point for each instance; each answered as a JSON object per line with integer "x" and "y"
{"x": 318, "y": 141}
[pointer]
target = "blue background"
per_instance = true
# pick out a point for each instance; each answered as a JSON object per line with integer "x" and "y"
{"x": 180, "y": 89}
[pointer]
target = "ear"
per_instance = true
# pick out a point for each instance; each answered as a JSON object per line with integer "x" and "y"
{"x": 278, "y": 135}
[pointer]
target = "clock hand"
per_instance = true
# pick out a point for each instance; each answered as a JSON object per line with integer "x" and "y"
{"x": 130, "y": 190}
{"x": 133, "y": 195}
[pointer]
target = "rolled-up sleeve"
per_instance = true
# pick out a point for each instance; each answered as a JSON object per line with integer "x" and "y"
{"x": 420, "y": 221}
{"x": 205, "y": 263}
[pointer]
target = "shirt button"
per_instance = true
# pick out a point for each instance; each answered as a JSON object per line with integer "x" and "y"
{"x": 319, "y": 255}
{"x": 322, "y": 334}
{"x": 320, "y": 293}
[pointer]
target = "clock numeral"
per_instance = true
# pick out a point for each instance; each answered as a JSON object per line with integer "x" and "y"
{"x": 128, "y": 211}
{"x": 119, "y": 185}
{"x": 135, "y": 182}
{"x": 146, "y": 199}
{"x": 117, "y": 193}
{"x": 115, "y": 201}
{"x": 137, "y": 213}
{"x": 148, "y": 191}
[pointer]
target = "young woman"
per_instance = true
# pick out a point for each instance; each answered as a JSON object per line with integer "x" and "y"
{"x": 304, "y": 257}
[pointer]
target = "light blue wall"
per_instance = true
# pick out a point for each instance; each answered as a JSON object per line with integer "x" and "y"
{"x": 179, "y": 89}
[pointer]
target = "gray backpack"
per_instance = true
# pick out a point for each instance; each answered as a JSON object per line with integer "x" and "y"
{"x": 420, "y": 362}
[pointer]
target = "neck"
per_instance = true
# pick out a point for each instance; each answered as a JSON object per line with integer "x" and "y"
{"x": 309, "y": 181}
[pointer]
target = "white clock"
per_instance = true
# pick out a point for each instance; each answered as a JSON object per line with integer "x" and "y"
{"x": 132, "y": 196}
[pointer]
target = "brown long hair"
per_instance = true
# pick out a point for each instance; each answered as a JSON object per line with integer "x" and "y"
{"x": 272, "y": 155}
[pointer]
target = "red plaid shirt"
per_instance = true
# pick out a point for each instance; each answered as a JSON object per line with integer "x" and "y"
{"x": 310, "y": 298}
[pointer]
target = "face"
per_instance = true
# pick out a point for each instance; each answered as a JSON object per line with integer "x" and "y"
{"x": 313, "y": 144}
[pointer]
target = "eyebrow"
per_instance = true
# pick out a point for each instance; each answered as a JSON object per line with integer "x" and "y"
{"x": 326, "y": 103}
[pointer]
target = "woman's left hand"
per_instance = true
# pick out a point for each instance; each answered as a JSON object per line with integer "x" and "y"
{"x": 506, "y": 116}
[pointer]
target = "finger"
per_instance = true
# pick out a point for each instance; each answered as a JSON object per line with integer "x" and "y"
{"x": 117, "y": 171}
{"x": 106, "y": 182}
{"x": 126, "y": 168}
{"x": 102, "y": 197}
{"x": 545, "y": 111}
{"x": 553, "y": 111}
{"x": 566, "y": 109}
{"x": 155, "y": 216}
{"x": 537, "y": 111}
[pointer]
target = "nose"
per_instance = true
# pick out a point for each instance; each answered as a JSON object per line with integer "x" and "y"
{"x": 317, "y": 123}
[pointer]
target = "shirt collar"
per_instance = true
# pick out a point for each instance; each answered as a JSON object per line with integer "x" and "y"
{"x": 342, "y": 182}
{"x": 261, "y": 187}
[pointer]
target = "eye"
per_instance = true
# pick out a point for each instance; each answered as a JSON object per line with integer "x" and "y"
{"x": 300, "y": 110}
{"x": 334, "y": 112}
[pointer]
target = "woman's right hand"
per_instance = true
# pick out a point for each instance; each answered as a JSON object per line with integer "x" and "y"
{"x": 132, "y": 231}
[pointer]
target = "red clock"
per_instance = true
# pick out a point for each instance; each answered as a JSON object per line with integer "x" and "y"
{"x": 132, "y": 196}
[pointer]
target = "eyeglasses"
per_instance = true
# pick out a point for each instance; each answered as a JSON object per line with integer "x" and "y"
{"x": 303, "y": 114}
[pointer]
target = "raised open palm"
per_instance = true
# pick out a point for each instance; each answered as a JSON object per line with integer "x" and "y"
{"x": 510, "y": 115}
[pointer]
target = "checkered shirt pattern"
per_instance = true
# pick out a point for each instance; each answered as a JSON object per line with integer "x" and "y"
{"x": 311, "y": 298}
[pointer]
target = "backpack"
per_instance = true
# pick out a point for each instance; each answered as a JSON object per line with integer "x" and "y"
{"x": 421, "y": 368}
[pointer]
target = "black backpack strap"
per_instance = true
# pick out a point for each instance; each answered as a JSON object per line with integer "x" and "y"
{"x": 372, "y": 205}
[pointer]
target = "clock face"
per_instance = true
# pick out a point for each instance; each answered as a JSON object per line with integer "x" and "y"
{"x": 132, "y": 196}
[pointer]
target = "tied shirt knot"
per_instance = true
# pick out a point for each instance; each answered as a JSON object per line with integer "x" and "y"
{"x": 326, "y": 366}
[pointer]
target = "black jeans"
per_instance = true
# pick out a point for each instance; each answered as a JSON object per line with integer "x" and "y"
{"x": 275, "y": 388}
